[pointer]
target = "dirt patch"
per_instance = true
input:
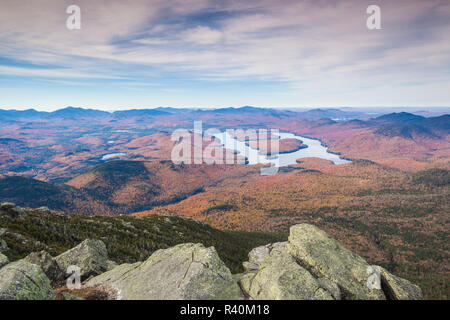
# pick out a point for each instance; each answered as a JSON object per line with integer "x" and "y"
{"x": 86, "y": 293}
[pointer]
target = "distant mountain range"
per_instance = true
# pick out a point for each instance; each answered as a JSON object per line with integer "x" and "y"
{"x": 335, "y": 114}
{"x": 339, "y": 114}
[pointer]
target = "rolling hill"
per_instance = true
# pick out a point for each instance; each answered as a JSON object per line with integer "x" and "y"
{"x": 119, "y": 187}
{"x": 35, "y": 193}
{"x": 412, "y": 126}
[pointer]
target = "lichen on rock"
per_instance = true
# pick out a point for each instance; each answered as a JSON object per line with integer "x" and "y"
{"x": 47, "y": 263}
{"x": 280, "y": 277}
{"x": 186, "y": 271}
{"x": 312, "y": 265}
{"x": 397, "y": 288}
{"x": 90, "y": 256}
{"x": 22, "y": 280}
{"x": 3, "y": 260}
{"x": 326, "y": 258}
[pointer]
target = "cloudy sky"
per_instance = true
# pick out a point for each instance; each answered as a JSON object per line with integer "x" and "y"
{"x": 218, "y": 53}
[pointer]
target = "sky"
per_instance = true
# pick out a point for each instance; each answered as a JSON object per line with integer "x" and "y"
{"x": 222, "y": 53}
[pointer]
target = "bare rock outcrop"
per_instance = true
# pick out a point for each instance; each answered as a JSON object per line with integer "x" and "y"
{"x": 279, "y": 277}
{"x": 47, "y": 263}
{"x": 3, "y": 260}
{"x": 90, "y": 256}
{"x": 312, "y": 265}
{"x": 309, "y": 266}
{"x": 186, "y": 271}
{"x": 22, "y": 280}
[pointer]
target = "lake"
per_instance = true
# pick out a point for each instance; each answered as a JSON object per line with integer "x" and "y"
{"x": 314, "y": 149}
{"x": 113, "y": 155}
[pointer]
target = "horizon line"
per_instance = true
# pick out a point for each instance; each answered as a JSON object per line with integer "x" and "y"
{"x": 38, "y": 109}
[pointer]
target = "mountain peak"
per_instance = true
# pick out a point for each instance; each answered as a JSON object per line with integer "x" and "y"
{"x": 400, "y": 117}
{"x": 77, "y": 112}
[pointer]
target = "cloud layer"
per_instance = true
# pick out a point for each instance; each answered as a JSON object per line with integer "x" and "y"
{"x": 317, "y": 51}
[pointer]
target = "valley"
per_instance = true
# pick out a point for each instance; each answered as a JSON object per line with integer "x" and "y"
{"x": 389, "y": 202}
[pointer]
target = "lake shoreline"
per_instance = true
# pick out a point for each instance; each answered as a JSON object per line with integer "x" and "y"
{"x": 314, "y": 149}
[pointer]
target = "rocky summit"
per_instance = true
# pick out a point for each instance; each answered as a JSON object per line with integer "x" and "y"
{"x": 90, "y": 256}
{"x": 309, "y": 266}
{"x": 186, "y": 271}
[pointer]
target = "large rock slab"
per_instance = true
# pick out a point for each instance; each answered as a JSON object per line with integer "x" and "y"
{"x": 398, "y": 288}
{"x": 326, "y": 258}
{"x": 22, "y": 280}
{"x": 3, "y": 260}
{"x": 280, "y": 277}
{"x": 47, "y": 263}
{"x": 90, "y": 256}
{"x": 186, "y": 271}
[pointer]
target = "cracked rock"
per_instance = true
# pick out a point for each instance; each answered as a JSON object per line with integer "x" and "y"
{"x": 90, "y": 256}
{"x": 47, "y": 264}
{"x": 186, "y": 271}
{"x": 312, "y": 265}
{"x": 280, "y": 277}
{"x": 22, "y": 280}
